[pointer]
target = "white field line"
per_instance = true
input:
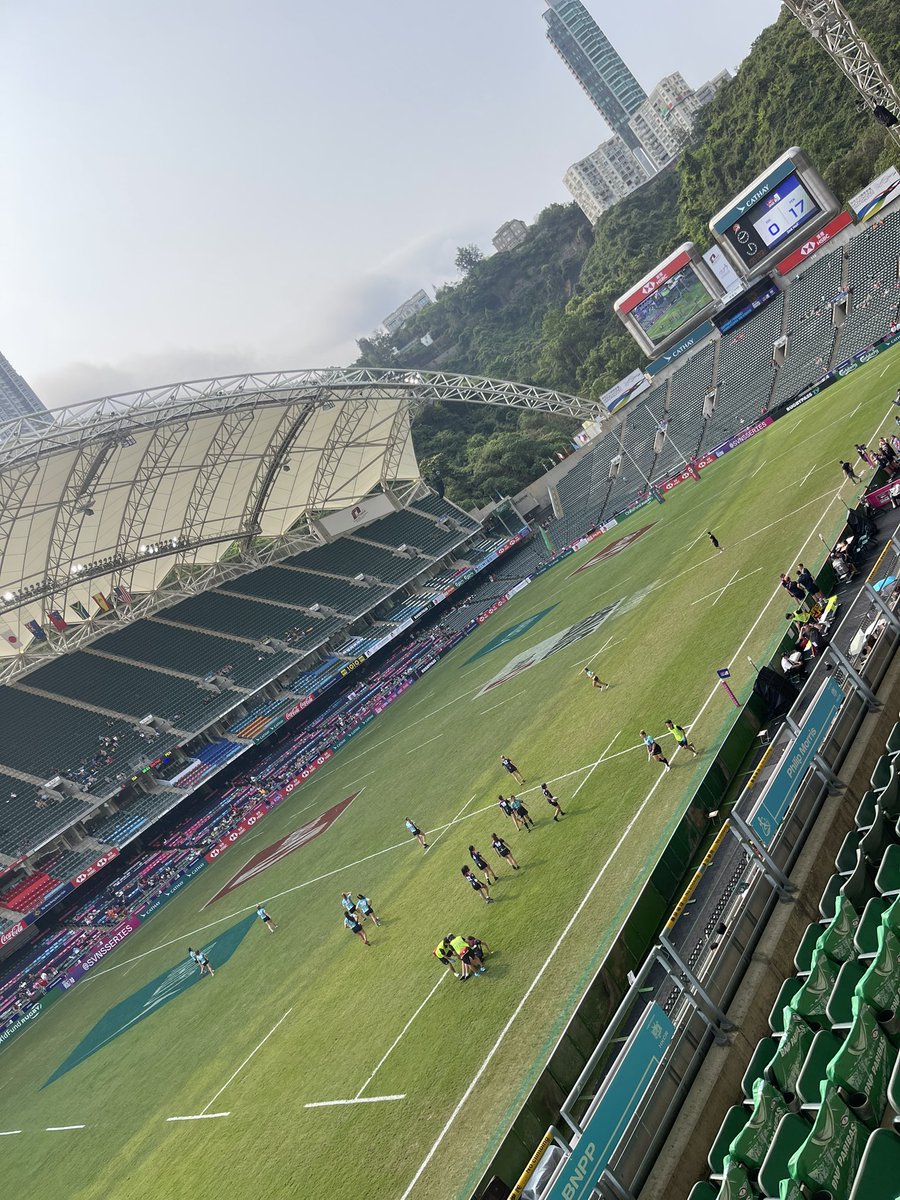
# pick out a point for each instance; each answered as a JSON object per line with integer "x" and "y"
{"x": 594, "y": 767}
{"x": 547, "y": 961}
{"x": 62, "y": 1128}
{"x": 399, "y": 1038}
{"x": 9, "y": 1132}
{"x": 719, "y": 592}
{"x": 764, "y": 463}
{"x": 887, "y": 368}
{"x": 204, "y": 1116}
{"x": 356, "y": 1100}
{"x": 497, "y": 705}
{"x": 444, "y": 828}
{"x": 203, "y": 1111}
{"x": 606, "y": 645}
{"x": 360, "y": 779}
{"x": 423, "y": 744}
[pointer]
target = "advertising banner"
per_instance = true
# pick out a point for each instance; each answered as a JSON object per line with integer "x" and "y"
{"x": 725, "y": 273}
{"x": 814, "y": 243}
{"x": 880, "y": 192}
{"x": 86, "y": 874}
{"x": 881, "y": 497}
{"x": 680, "y": 348}
{"x": 740, "y": 438}
{"x": 173, "y": 889}
{"x": 784, "y": 784}
{"x": 621, "y": 1093}
{"x": 626, "y": 389}
{"x": 9, "y": 935}
{"x": 11, "y": 1028}
{"x": 114, "y": 938}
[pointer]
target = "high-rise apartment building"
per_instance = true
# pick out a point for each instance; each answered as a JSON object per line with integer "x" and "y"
{"x": 595, "y": 63}
{"x": 664, "y": 121}
{"x": 510, "y": 235}
{"x": 17, "y": 398}
{"x": 605, "y": 177}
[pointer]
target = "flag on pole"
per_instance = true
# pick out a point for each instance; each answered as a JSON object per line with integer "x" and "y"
{"x": 9, "y": 637}
{"x": 37, "y": 629}
{"x": 122, "y": 594}
{"x": 57, "y": 620}
{"x": 80, "y": 611}
{"x": 102, "y": 602}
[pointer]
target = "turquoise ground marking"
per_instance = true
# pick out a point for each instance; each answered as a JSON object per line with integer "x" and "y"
{"x": 509, "y": 634}
{"x": 153, "y": 996}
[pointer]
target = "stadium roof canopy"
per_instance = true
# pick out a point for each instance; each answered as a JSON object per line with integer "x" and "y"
{"x": 168, "y": 491}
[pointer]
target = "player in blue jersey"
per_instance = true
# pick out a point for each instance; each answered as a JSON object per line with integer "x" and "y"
{"x": 416, "y": 832}
{"x": 265, "y": 918}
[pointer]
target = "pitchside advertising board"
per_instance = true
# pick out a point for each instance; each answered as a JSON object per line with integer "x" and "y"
{"x": 774, "y": 214}
{"x": 670, "y": 301}
{"x": 877, "y": 196}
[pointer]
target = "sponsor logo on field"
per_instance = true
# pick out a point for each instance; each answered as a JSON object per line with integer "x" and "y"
{"x": 153, "y": 996}
{"x": 551, "y": 645}
{"x": 612, "y": 548}
{"x": 282, "y": 848}
{"x": 510, "y": 634}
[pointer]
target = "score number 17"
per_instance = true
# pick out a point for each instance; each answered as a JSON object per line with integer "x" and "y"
{"x": 796, "y": 210}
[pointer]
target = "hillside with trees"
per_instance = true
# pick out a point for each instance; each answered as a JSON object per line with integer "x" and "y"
{"x": 543, "y": 313}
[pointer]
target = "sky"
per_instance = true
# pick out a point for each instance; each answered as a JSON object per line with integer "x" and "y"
{"x": 202, "y": 187}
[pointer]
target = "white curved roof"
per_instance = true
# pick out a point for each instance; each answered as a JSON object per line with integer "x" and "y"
{"x": 120, "y": 491}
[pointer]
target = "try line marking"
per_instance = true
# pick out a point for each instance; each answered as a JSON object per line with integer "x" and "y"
{"x": 62, "y": 1128}
{"x": 355, "y": 1100}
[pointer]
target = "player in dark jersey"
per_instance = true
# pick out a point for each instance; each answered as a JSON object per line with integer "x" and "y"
{"x": 478, "y": 887}
{"x": 507, "y": 810}
{"x": 504, "y": 851}
{"x": 510, "y": 766}
{"x": 552, "y": 801}
{"x": 483, "y": 865}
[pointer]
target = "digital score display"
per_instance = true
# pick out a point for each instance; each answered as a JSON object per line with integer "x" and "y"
{"x": 772, "y": 220}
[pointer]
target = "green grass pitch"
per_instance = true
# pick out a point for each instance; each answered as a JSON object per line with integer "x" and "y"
{"x": 310, "y": 1014}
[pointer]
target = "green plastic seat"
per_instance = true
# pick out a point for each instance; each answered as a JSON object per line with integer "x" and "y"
{"x": 790, "y": 1135}
{"x": 887, "y": 881}
{"x": 703, "y": 1191}
{"x": 878, "y": 1175}
{"x": 751, "y": 1144}
{"x": 889, "y": 796}
{"x": 735, "y": 1120}
{"x": 765, "y": 1048}
{"x": 894, "y": 1091}
{"x": 862, "y": 1066}
{"x": 859, "y": 887}
{"x": 836, "y": 939}
{"x": 839, "y": 1009}
{"x": 879, "y": 987}
{"x": 876, "y": 838}
{"x": 806, "y": 949}
{"x": 825, "y": 1046}
{"x": 882, "y": 774}
{"x": 865, "y": 814}
{"x": 784, "y": 1067}
{"x": 866, "y": 937}
{"x": 830, "y": 895}
{"x": 736, "y": 1183}
{"x": 828, "y": 1160}
{"x": 786, "y": 993}
{"x": 845, "y": 860}
{"x": 811, "y": 1001}
{"x": 892, "y": 746}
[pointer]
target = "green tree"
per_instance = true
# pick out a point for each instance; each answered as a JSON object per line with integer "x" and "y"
{"x": 467, "y": 258}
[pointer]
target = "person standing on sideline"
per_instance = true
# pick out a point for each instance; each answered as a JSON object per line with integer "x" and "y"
{"x": 265, "y": 918}
{"x": 480, "y": 889}
{"x": 552, "y": 801}
{"x": 416, "y": 832}
{"x": 504, "y": 851}
{"x": 849, "y": 472}
{"x": 805, "y": 579}
{"x": 595, "y": 679}
{"x": 354, "y": 926}
{"x": 443, "y": 952}
{"x": 681, "y": 737}
{"x": 654, "y": 750}
{"x": 483, "y": 865}
{"x": 511, "y": 767}
{"x": 364, "y": 906}
{"x": 520, "y": 811}
{"x": 793, "y": 589}
{"x": 863, "y": 451}
{"x": 715, "y": 541}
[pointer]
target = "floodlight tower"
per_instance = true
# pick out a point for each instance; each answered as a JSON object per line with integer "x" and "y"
{"x": 830, "y": 24}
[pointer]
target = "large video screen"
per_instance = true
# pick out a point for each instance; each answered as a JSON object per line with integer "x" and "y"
{"x": 768, "y": 223}
{"x": 671, "y": 305}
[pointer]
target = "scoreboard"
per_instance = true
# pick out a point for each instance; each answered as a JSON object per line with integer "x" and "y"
{"x": 774, "y": 214}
